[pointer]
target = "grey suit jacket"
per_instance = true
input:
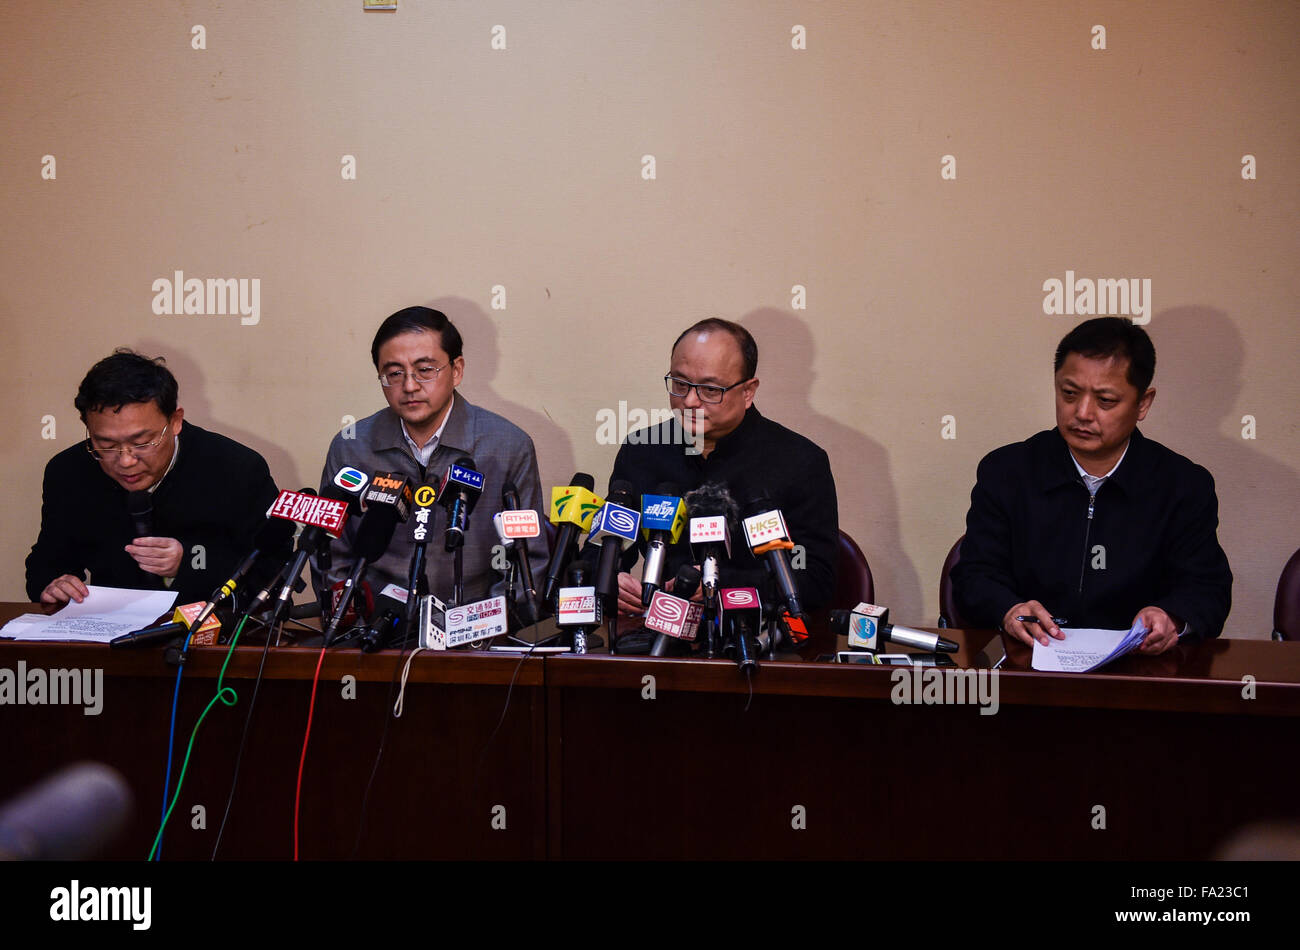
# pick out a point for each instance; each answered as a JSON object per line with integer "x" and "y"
{"x": 501, "y": 451}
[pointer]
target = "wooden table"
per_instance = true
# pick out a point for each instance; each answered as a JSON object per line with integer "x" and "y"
{"x": 433, "y": 794}
{"x": 1166, "y": 752}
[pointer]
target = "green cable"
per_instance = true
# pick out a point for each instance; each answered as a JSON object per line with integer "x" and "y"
{"x": 221, "y": 691}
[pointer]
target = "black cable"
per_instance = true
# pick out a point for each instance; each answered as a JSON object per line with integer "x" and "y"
{"x": 239, "y": 756}
{"x": 383, "y": 737}
{"x": 482, "y": 756}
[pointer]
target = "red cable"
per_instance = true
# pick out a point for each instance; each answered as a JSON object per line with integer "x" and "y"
{"x": 297, "y": 795}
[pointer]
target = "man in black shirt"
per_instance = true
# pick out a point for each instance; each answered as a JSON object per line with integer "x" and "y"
{"x": 1091, "y": 522}
{"x": 208, "y": 495}
{"x": 718, "y": 435}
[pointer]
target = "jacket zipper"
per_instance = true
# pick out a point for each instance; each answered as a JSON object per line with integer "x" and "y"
{"x": 1087, "y": 534}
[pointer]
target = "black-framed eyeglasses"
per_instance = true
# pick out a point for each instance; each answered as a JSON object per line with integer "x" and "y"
{"x": 421, "y": 374}
{"x": 707, "y": 392}
{"x": 140, "y": 450}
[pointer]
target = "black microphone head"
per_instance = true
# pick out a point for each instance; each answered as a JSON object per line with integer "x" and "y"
{"x": 466, "y": 461}
{"x": 712, "y": 498}
{"x": 376, "y": 532}
{"x": 668, "y": 488}
{"x": 140, "y": 505}
{"x": 337, "y": 494}
{"x": 509, "y": 489}
{"x": 583, "y": 480}
{"x": 578, "y": 574}
{"x": 758, "y": 504}
{"x": 840, "y": 622}
{"x": 275, "y": 533}
{"x": 687, "y": 582}
{"x": 622, "y": 493}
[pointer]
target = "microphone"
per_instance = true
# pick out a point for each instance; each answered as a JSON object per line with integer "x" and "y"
{"x": 578, "y": 606}
{"x": 742, "y": 613}
{"x": 390, "y": 610}
{"x": 766, "y": 533}
{"x": 140, "y": 505}
{"x": 459, "y": 491}
{"x": 868, "y": 624}
{"x": 614, "y": 528}
{"x": 273, "y": 534}
{"x": 713, "y": 511}
{"x": 673, "y": 615}
{"x": 204, "y": 633}
{"x": 572, "y": 509}
{"x": 322, "y": 517}
{"x": 69, "y": 816}
{"x": 360, "y": 609}
{"x": 388, "y": 502}
{"x": 416, "y": 584}
{"x": 514, "y": 528}
{"x": 663, "y": 516}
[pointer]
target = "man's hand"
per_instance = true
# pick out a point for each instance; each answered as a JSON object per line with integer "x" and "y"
{"x": 64, "y": 588}
{"x": 161, "y": 556}
{"x": 1162, "y": 630}
{"x": 1028, "y": 632}
{"x": 629, "y": 596}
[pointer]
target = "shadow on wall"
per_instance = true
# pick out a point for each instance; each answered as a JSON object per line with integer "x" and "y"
{"x": 1200, "y": 355}
{"x": 193, "y": 398}
{"x": 865, "y": 489}
{"x": 555, "y": 459}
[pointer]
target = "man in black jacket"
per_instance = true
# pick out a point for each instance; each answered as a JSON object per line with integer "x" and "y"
{"x": 208, "y": 495}
{"x": 1091, "y": 522}
{"x": 717, "y": 435}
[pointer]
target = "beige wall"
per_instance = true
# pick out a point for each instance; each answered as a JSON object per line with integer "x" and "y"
{"x": 522, "y": 167}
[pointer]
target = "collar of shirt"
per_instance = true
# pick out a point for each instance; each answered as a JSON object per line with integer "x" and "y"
{"x": 1093, "y": 482}
{"x": 426, "y": 452}
{"x": 737, "y": 438}
{"x": 176, "y": 453}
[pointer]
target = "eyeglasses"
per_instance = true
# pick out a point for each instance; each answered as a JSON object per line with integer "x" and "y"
{"x": 680, "y": 388}
{"x": 139, "y": 451}
{"x": 422, "y": 374}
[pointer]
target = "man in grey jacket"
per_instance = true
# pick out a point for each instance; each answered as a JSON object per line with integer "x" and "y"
{"x": 427, "y": 427}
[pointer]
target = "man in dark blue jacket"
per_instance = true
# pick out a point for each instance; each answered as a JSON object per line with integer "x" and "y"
{"x": 1090, "y": 521}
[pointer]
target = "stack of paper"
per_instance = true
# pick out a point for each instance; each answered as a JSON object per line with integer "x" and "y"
{"x": 105, "y": 613}
{"x": 1085, "y": 649}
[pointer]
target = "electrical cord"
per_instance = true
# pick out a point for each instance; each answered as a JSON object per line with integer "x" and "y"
{"x": 243, "y": 740}
{"x": 220, "y": 695}
{"x": 383, "y": 738}
{"x": 171, "y": 734}
{"x": 302, "y": 760}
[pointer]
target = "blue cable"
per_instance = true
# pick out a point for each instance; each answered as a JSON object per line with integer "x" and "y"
{"x": 171, "y": 737}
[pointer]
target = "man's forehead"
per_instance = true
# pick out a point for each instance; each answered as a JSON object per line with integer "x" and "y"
{"x": 710, "y": 350}
{"x": 414, "y": 345}
{"x": 128, "y": 414}
{"x": 1101, "y": 372}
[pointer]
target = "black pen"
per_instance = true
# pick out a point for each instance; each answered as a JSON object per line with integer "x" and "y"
{"x": 1059, "y": 621}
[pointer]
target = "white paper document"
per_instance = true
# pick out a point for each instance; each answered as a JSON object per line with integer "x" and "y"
{"x": 1085, "y": 648}
{"x": 107, "y": 612}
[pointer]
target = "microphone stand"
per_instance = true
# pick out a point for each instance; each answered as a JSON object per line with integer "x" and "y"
{"x": 458, "y": 576}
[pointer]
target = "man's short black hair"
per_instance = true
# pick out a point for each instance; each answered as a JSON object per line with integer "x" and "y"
{"x": 123, "y": 378}
{"x": 1102, "y": 337}
{"x": 744, "y": 339}
{"x": 414, "y": 320}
